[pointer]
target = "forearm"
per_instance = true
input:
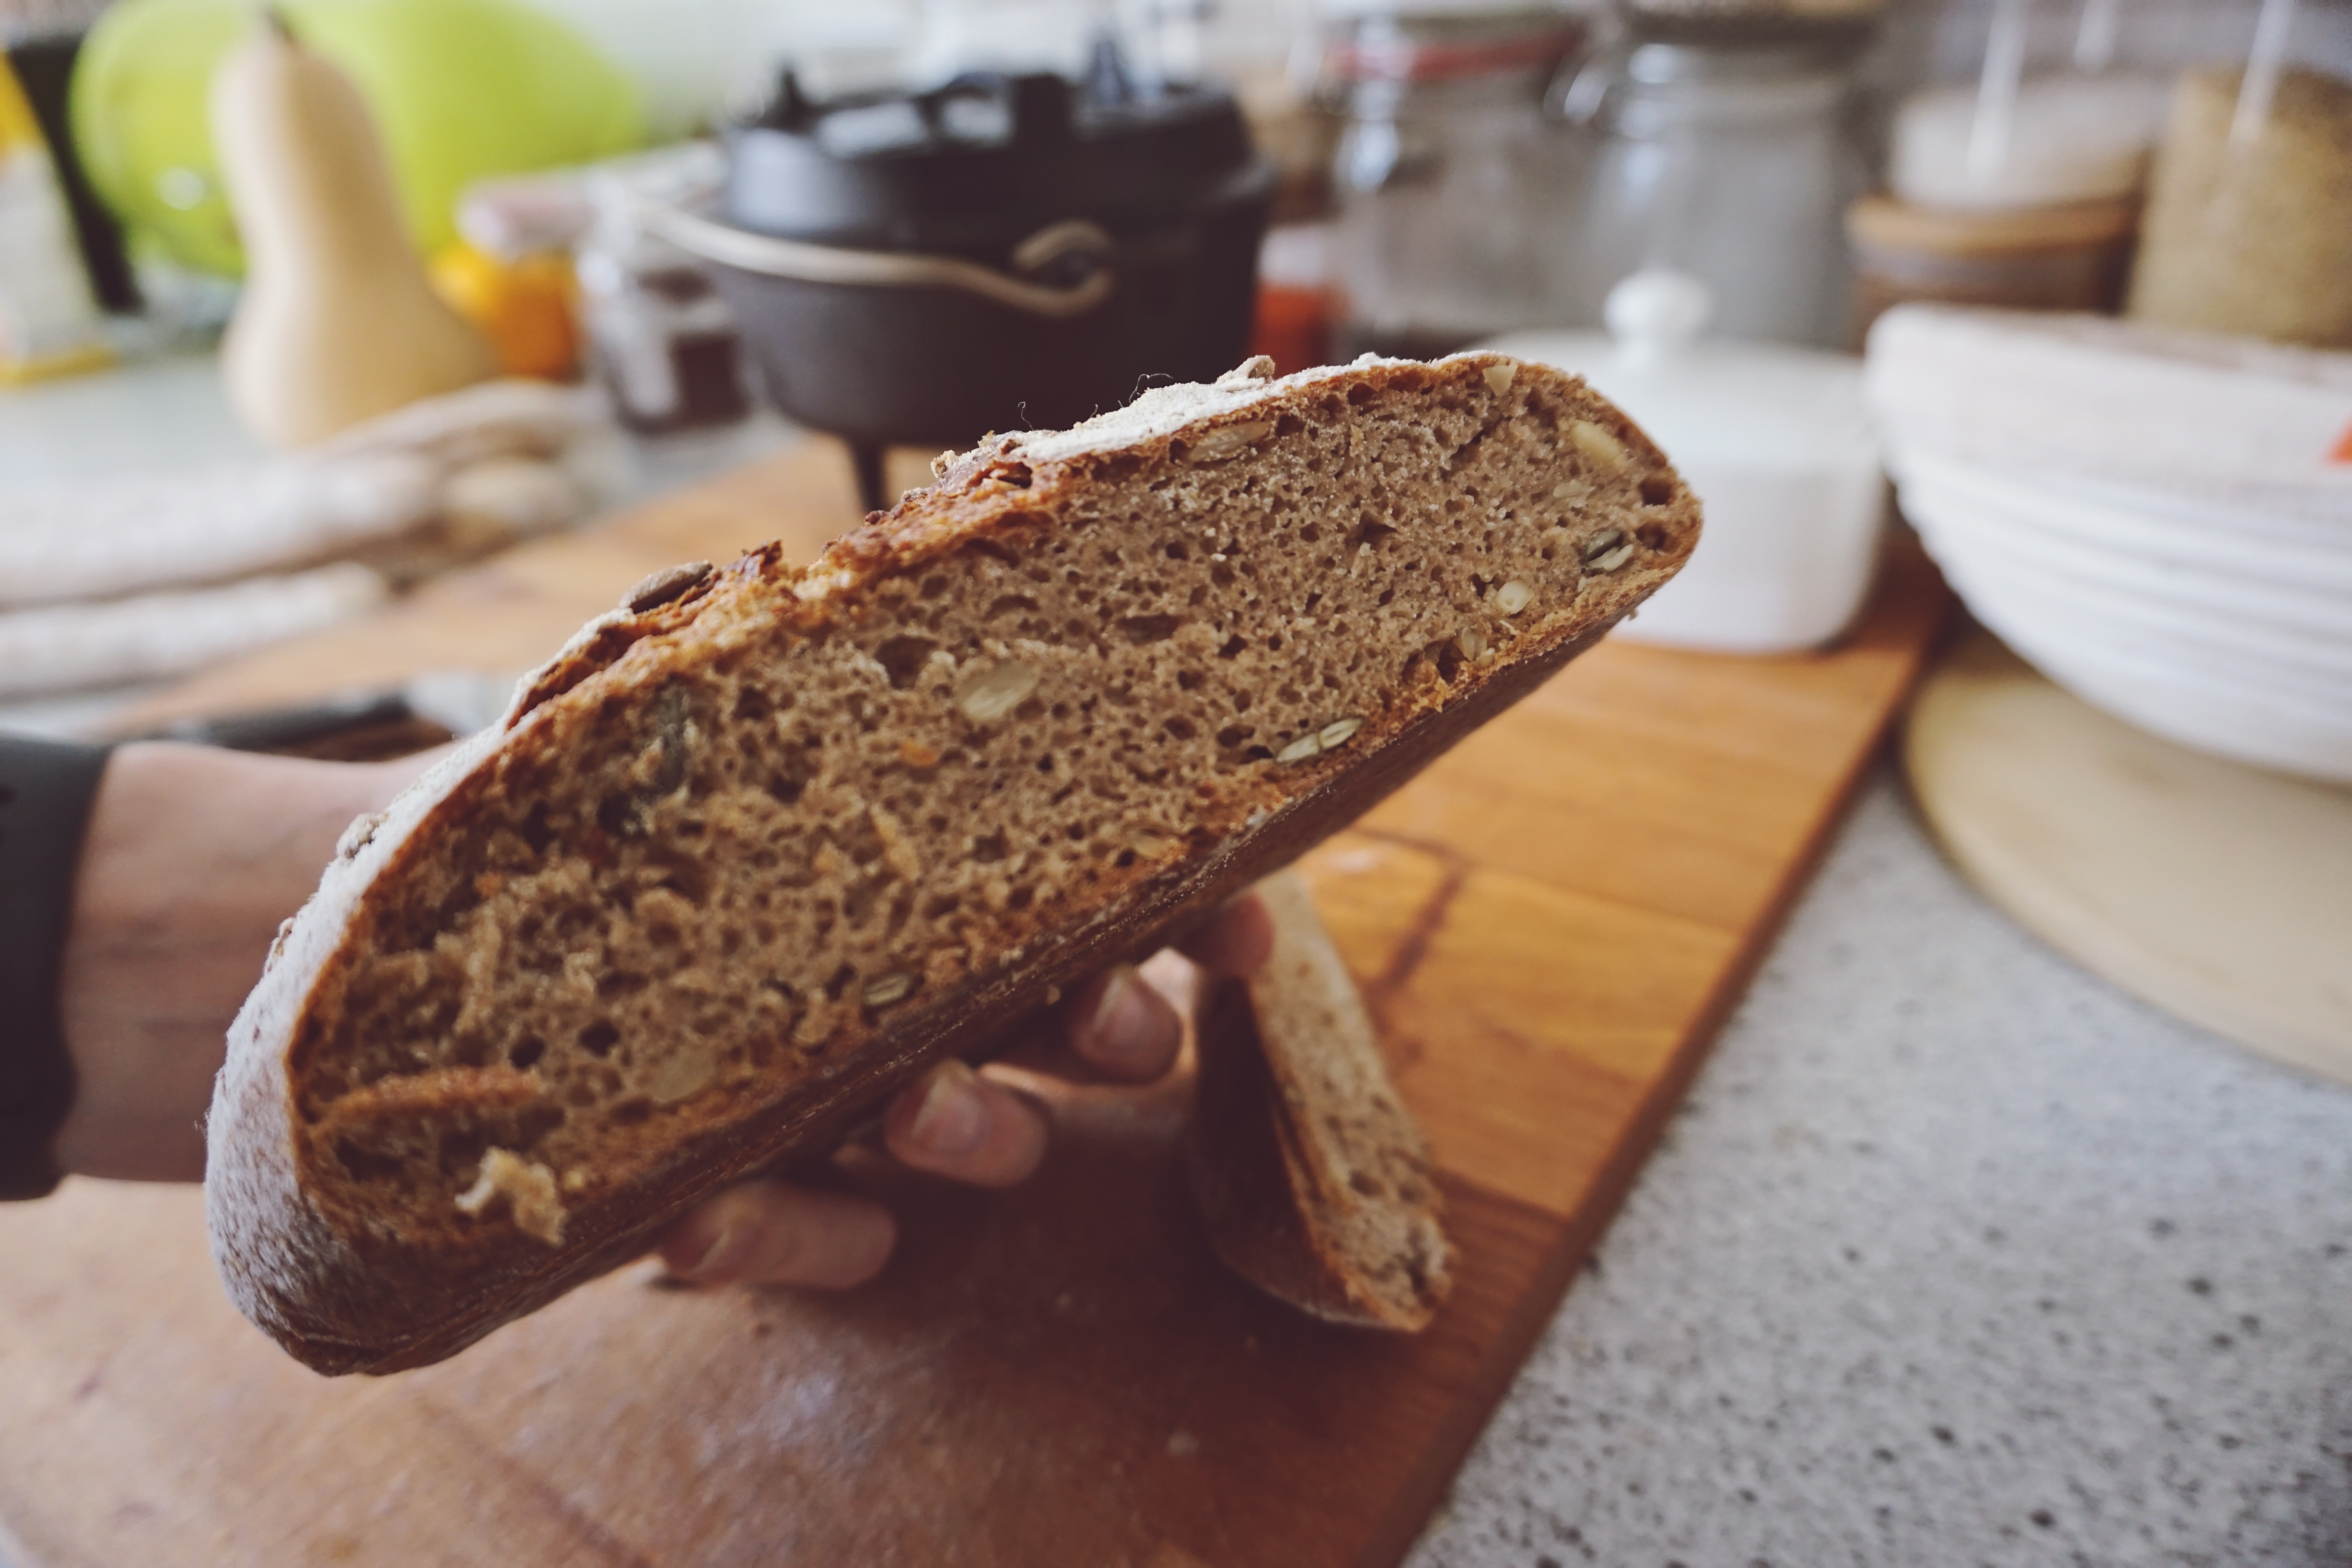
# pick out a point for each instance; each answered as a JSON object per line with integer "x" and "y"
{"x": 193, "y": 857}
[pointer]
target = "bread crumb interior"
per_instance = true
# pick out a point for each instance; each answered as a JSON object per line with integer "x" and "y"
{"x": 729, "y": 877}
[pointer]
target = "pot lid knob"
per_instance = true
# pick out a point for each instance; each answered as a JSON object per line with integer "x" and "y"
{"x": 1653, "y": 314}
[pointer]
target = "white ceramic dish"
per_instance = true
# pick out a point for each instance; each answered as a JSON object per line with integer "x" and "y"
{"x": 2216, "y": 540}
{"x": 1776, "y": 443}
{"x": 2285, "y": 618}
{"x": 2235, "y": 685}
{"x": 2246, "y": 727}
{"x": 2198, "y": 414}
{"x": 2064, "y": 617}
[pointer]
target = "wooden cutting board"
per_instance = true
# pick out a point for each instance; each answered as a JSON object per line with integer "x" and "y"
{"x": 1549, "y": 925}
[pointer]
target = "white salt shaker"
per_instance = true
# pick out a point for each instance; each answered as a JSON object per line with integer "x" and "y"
{"x": 1776, "y": 442}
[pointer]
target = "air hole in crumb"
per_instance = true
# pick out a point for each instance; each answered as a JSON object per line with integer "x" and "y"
{"x": 1288, "y": 425}
{"x": 1180, "y": 727}
{"x": 904, "y": 658}
{"x": 365, "y": 1165}
{"x": 1657, "y": 491}
{"x": 1149, "y": 628}
{"x": 1233, "y": 648}
{"x": 1651, "y": 536}
{"x": 599, "y": 1038}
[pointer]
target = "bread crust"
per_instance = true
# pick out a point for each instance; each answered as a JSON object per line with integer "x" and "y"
{"x": 341, "y": 1294}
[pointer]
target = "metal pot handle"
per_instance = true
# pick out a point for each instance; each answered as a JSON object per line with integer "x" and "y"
{"x": 902, "y": 270}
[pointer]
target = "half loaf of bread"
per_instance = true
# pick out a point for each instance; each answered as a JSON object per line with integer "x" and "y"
{"x": 1312, "y": 1177}
{"x": 754, "y": 848}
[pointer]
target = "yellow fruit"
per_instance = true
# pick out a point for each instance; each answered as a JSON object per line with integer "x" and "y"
{"x": 524, "y": 307}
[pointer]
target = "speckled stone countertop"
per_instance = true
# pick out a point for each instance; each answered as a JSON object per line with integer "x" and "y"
{"x": 1955, "y": 1255}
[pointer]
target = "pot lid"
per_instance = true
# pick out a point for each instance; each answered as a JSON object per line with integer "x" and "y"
{"x": 1711, "y": 402}
{"x": 974, "y": 166}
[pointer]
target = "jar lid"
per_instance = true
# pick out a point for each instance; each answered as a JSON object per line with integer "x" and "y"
{"x": 1443, "y": 40}
{"x": 1757, "y": 405}
{"x": 1881, "y": 224}
{"x": 1838, "y": 28}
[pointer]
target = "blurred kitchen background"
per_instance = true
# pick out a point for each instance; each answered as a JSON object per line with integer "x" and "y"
{"x": 299, "y": 325}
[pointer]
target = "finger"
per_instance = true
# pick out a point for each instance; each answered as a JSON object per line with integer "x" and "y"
{"x": 1236, "y": 941}
{"x": 1116, "y": 1028}
{"x": 768, "y": 1232}
{"x": 953, "y": 1123}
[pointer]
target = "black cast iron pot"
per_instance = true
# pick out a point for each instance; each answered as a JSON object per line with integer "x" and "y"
{"x": 1003, "y": 253}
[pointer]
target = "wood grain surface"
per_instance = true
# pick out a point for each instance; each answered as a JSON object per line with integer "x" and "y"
{"x": 1549, "y": 925}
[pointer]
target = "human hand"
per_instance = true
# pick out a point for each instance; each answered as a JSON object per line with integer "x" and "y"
{"x": 956, "y": 1122}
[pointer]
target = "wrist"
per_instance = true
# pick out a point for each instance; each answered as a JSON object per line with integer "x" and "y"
{"x": 194, "y": 856}
{"x": 47, "y": 790}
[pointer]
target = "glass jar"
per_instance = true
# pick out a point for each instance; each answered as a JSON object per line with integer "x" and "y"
{"x": 1729, "y": 164}
{"x": 1448, "y": 180}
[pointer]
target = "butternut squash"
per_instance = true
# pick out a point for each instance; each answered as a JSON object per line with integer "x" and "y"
{"x": 338, "y": 323}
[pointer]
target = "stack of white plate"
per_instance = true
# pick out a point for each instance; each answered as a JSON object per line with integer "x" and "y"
{"x": 2216, "y": 615}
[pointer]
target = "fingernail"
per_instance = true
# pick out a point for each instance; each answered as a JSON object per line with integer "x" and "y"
{"x": 720, "y": 1252}
{"x": 1122, "y": 1027}
{"x": 952, "y": 1119}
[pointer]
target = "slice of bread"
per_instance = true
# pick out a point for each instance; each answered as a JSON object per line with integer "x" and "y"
{"x": 754, "y": 848}
{"x": 1311, "y": 1176}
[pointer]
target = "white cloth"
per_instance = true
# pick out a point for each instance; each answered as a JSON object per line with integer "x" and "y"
{"x": 148, "y": 637}
{"x": 2199, "y": 415}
